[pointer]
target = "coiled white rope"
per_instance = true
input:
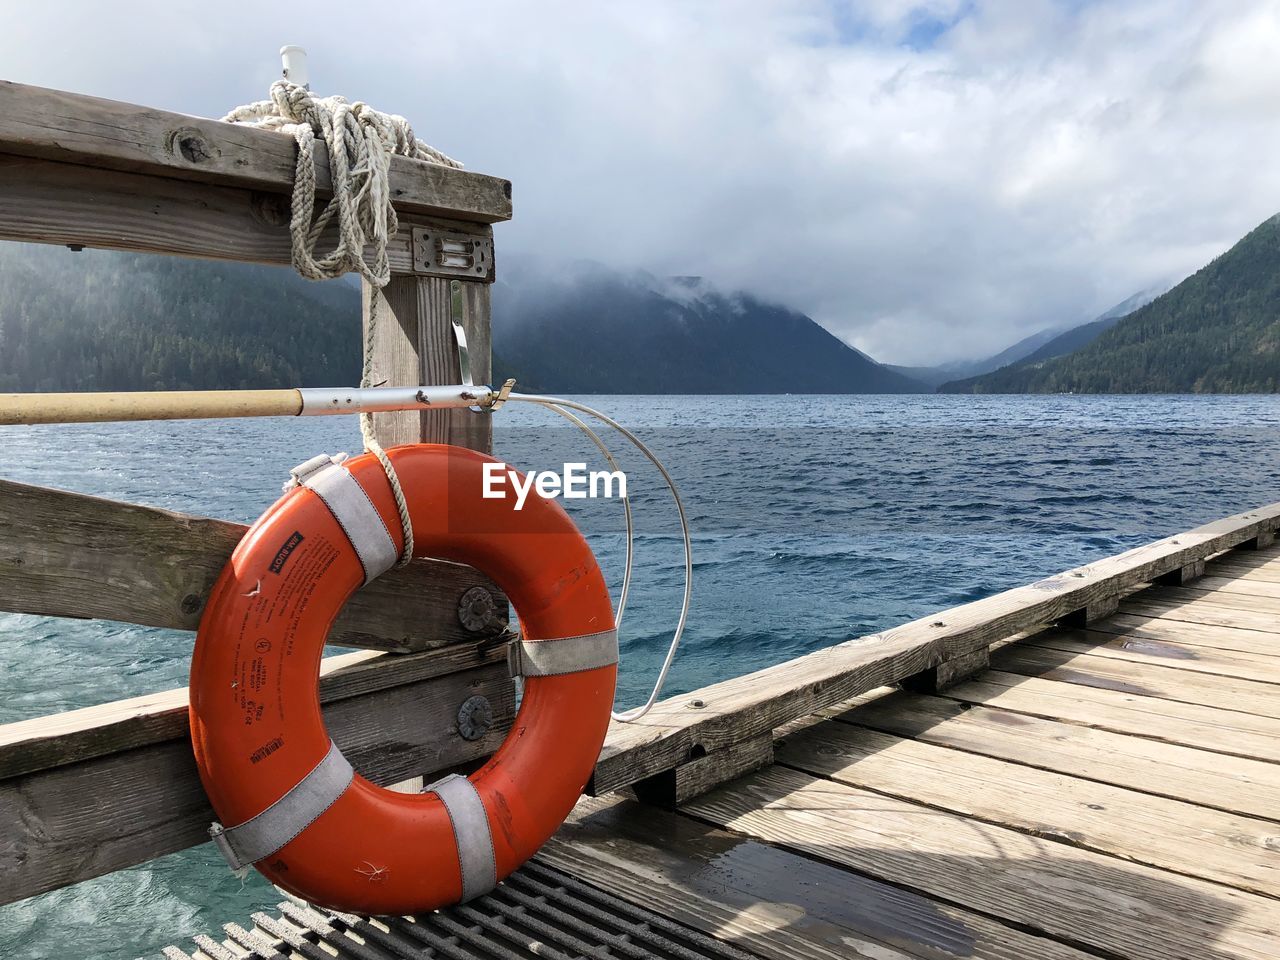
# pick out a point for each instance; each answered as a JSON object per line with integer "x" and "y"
{"x": 558, "y": 405}
{"x": 360, "y": 142}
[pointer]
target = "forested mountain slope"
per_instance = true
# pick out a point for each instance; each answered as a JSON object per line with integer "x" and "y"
{"x": 96, "y": 320}
{"x": 593, "y": 330}
{"x": 1216, "y": 332}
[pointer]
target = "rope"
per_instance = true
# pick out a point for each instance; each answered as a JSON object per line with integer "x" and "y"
{"x": 360, "y": 142}
{"x": 372, "y": 445}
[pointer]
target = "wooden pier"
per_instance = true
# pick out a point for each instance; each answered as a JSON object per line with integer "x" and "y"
{"x": 1109, "y": 790}
{"x": 1086, "y": 766}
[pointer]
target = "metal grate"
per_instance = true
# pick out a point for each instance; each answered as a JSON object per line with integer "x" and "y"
{"x": 538, "y": 913}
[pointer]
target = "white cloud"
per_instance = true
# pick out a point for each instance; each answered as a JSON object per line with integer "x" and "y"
{"x": 928, "y": 179}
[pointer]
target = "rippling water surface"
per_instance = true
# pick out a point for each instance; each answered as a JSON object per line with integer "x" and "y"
{"x": 816, "y": 520}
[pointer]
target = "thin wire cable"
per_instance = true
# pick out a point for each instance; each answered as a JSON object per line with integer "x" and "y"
{"x": 631, "y": 716}
{"x": 626, "y": 507}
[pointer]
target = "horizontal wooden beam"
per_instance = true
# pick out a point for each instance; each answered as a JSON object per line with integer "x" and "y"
{"x": 693, "y": 725}
{"x": 71, "y": 555}
{"x": 43, "y": 743}
{"x": 62, "y": 203}
{"x": 92, "y": 132}
{"x": 113, "y": 786}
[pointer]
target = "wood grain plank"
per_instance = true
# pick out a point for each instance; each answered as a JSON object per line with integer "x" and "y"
{"x": 1081, "y": 897}
{"x": 762, "y": 701}
{"x": 85, "y": 819}
{"x": 1206, "y": 728}
{"x": 1197, "y": 610}
{"x": 1232, "y": 601}
{"x": 671, "y": 788}
{"x": 1199, "y": 613}
{"x": 46, "y": 202}
{"x": 1235, "y": 784}
{"x": 1157, "y": 619}
{"x": 1162, "y": 652}
{"x": 1228, "y": 848}
{"x": 61, "y": 203}
{"x": 1265, "y": 574}
{"x": 70, "y": 127}
{"x": 1145, "y": 679}
{"x": 414, "y": 344}
{"x": 769, "y": 901}
{"x": 68, "y": 554}
{"x": 1245, "y": 583}
{"x": 1243, "y": 562}
{"x": 73, "y": 736}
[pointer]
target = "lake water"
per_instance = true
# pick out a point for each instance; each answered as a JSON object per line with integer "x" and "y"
{"x": 817, "y": 519}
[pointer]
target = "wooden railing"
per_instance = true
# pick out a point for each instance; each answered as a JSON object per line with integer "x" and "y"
{"x": 394, "y": 717}
{"x": 90, "y": 791}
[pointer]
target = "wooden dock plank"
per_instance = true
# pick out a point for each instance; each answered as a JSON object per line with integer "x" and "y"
{"x": 1233, "y": 601}
{"x": 1227, "y": 581}
{"x": 770, "y": 901}
{"x": 1227, "y": 848}
{"x": 1261, "y": 576}
{"x": 1264, "y": 566}
{"x": 1155, "y": 621}
{"x": 1146, "y": 679}
{"x": 1202, "y": 612}
{"x": 1079, "y": 896}
{"x": 1163, "y": 652}
{"x": 1234, "y": 784}
{"x": 747, "y": 706}
{"x": 1218, "y": 731}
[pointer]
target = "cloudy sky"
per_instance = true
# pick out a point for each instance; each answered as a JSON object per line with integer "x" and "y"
{"x": 930, "y": 180}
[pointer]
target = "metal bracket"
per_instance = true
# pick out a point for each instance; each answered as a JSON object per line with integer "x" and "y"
{"x": 441, "y": 253}
{"x": 504, "y": 392}
{"x": 456, "y": 316}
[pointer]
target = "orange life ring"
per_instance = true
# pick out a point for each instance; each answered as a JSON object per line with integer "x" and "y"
{"x": 265, "y": 758}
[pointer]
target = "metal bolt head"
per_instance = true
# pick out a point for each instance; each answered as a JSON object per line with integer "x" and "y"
{"x": 476, "y": 609}
{"x": 475, "y": 717}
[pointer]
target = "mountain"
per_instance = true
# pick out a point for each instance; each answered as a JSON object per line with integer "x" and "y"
{"x": 95, "y": 320}
{"x": 592, "y": 330}
{"x": 1057, "y": 345}
{"x": 1086, "y": 333}
{"x": 1218, "y": 331}
{"x": 936, "y": 376}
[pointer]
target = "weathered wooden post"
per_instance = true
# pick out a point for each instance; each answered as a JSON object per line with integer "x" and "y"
{"x": 414, "y": 342}
{"x": 448, "y": 278}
